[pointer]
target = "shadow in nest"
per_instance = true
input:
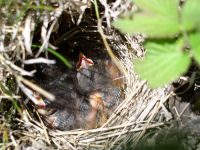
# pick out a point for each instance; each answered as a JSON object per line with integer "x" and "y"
{"x": 187, "y": 95}
{"x": 89, "y": 91}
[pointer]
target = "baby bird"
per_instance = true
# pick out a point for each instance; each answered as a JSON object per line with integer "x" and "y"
{"x": 101, "y": 83}
{"x": 85, "y": 98}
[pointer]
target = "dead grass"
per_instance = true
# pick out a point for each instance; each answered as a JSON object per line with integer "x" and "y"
{"x": 139, "y": 111}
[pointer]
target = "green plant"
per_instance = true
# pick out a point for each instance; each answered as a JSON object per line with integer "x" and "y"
{"x": 6, "y": 91}
{"x": 173, "y": 38}
{"x": 62, "y": 58}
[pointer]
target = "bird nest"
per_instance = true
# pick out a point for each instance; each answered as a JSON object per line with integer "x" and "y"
{"x": 41, "y": 24}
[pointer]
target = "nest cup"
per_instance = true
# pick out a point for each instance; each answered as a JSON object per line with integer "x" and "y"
{"x": 74, "y": 25}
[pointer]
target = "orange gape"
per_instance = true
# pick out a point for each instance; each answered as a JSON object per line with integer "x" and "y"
{"x": 95, "y": 94}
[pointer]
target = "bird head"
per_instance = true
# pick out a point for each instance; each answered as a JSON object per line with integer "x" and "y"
{"x": 84, "y": 62}
{"x": 95, "y": 99}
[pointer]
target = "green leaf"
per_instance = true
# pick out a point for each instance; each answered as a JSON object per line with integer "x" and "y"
{"x": 155, "y": 49}
{"x": 190, "y": 14}
{"x": 42, "y": 7}
{"x": 158, "y": 19}
{"x": 195, "y": 45}
{"x": 162, "y": 64}
{"x": 62, "y": 58}
{"x": 153, "y": 26}
{"x": 162, "y": 7}
{"x": 3, "y": 88}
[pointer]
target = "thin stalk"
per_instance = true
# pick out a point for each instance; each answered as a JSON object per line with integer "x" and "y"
{"x": 109, "y": 50}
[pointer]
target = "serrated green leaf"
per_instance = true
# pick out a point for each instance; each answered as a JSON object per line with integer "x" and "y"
{"x": 153, "y": 26}
{"x": 158, "y": 18}
{"x": 155, "y": 49}
{"x": 162, "y": 7}
{"x": 164, "y": 66}
{"x": 190, "y": 14}
{"x": 195, "y": 45}
{"x": 164, "y": 46}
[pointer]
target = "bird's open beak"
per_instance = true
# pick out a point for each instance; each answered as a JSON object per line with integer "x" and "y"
{"x": 84, "y": 62}
{"x": 40, "y": 103}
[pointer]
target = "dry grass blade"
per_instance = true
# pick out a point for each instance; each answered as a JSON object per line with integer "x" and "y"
{"x": 45, "y": 130}
{"x": 36, "y": 88}
{"x": 108, "y": 48}
{"x": 153, "y": 114}
{"x": 39, "y": 60}
{"x": 8, "y": 64}
{"x": 27, "y": 34}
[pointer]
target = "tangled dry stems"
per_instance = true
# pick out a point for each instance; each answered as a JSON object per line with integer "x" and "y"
{"x": 139, "y": 111}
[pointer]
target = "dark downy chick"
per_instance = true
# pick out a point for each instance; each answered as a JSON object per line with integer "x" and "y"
{"x": 85, "y": 98}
